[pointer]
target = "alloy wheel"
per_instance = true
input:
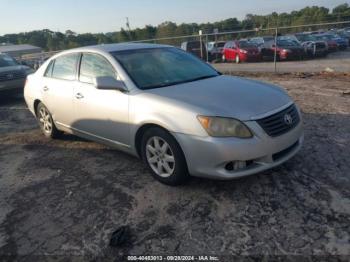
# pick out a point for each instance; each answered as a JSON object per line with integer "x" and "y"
{"x": 45, "y": 120}
{"x": 160, "y": 157}
{"x": 237, "y": 59}
{"x": 223, "y": 58}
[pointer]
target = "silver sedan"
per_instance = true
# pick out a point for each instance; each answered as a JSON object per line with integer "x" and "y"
{"x": 169, "y": 108}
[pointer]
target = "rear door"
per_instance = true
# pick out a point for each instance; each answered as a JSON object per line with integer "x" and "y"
{"x": 232, "y": 51}
{"x": 100, "y": 113}
{"x": 58, "y": 85}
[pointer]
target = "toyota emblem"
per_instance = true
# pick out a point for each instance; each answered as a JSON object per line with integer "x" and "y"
{"x": 9, "y": 76}
{"x": 288, "y": 119}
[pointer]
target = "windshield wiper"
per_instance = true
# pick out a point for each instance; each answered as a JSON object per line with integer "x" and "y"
{"x": 180, "y": 82}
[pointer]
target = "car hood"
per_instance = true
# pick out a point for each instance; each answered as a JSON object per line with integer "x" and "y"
{"x": 291, "y": 47}
{"x": 13, "y": 68}
{"x": 250, "y": 49}
{"x": 226, "y": 96}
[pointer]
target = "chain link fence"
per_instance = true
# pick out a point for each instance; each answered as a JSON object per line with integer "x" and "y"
{"x": 209, "y": 41}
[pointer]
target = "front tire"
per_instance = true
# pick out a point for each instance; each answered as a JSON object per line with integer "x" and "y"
{"x": 46, "y": 122}
{"x": 238, "y": 60}
{"x": 164, "y": 157}
{"x": 223, "y": 58}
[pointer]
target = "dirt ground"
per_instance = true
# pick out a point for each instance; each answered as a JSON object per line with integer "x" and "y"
{"x": 64, "y": 198}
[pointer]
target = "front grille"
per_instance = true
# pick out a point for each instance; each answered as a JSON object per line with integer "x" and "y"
{"x": 12, "y": 75}
{"x": 281, "y": 122}
{"x": 320, "y": 45}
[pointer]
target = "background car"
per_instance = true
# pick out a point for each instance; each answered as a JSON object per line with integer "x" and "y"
{"x": 261, "y": 40}
{"x": 240, "y": 51}
{"x": 334, "y": 43}
{"x": 215, "y": 50}
{"x": 285, "y": 50}
{"x": 194, "y": 47}
{"x": 12, "y": 74}
{"x": 344, "y": 33}
{"x": 312, "y": 46}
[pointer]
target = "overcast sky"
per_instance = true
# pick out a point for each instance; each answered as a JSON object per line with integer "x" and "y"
{"x": 109, "y": 15}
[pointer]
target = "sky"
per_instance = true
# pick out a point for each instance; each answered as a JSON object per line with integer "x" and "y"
{"x": 96, "y": 16}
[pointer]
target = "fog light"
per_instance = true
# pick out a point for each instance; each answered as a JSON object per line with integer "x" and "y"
{"x": 235, "y": 165}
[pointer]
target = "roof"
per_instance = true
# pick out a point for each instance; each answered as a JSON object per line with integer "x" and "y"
{"x": 17, "y": 48}
{"x": 120, "y": 47}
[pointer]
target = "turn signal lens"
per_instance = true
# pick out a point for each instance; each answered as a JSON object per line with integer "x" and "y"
{"x": 224, "y": 127}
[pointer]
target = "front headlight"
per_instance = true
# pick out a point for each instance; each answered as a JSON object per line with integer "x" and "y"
{"x": 224, "y": 127}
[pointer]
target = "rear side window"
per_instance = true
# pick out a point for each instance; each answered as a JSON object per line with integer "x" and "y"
{"x": 193, "y": 45}
{"x": 92, "y": 66}
{"x": 65, "y": 67}
{"x": 48, "y": 72}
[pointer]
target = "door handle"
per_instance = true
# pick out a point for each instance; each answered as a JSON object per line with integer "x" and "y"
{"x": 45, "y": 88}
{"x": 79, "y": 96}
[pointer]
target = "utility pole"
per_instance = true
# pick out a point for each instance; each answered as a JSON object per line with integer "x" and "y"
{"x": 128, "y": 27}
{"x": 275, "y": 53}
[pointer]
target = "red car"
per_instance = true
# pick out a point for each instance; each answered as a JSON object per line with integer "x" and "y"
{"x": 240, "y": 51}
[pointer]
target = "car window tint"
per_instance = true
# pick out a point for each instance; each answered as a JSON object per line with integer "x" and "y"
{"x": 92, "y": 66}
{"x": 48, "y": 72}
{"x": 65, "y": 67}
{"x": 194, "y": 44}
{"x": 6, "y": 60}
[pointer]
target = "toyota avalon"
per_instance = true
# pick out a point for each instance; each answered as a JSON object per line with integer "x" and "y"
{"x": 175, "y": 112}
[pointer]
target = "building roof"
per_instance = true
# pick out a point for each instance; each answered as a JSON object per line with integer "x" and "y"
{"x": 17, "y": 48}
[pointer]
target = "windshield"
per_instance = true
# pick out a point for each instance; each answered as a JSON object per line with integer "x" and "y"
{"x": 6, "y": 60}
{"x": 286, "y": 43}
{"x": 305, "y": 38}
{"x": 246, "y": 44}
{"x": 326, "y": 37}
{"x": 221, "y": 44}
{"x": 160, "y": 67}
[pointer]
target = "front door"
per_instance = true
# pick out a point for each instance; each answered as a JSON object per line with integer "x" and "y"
{"x": 103, "y": 114}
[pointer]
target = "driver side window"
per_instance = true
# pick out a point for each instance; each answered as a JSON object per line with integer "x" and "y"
{"x": 94, "y": 65}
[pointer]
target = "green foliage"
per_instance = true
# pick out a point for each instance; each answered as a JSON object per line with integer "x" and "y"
{"x": 51, "y": 41}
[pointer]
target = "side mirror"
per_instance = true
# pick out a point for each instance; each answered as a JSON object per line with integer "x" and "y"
{"x": 109, "y": 83}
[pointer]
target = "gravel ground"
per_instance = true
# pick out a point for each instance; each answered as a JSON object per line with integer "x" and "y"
{"x": 64, "y": 198}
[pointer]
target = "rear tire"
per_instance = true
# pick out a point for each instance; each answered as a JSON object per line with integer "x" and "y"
{"x": 46, "y": 122}
{"x": 164, "y": 157}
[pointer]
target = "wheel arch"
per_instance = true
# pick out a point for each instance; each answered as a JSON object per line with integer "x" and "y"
{"x": 36, "y": 103}
{"x": 142, "y": 129}
{"x": 139, "y": 133}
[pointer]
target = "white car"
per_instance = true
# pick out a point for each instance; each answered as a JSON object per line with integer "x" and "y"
{"x": 177, "y": 113}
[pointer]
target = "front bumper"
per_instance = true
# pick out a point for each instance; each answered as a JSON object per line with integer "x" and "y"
{"x": 291, "y": 55}
{"x": 209, "y": 156}
{"x": 16, "y": 84}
